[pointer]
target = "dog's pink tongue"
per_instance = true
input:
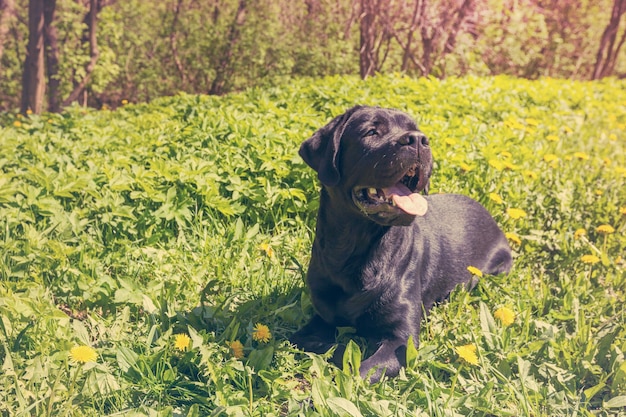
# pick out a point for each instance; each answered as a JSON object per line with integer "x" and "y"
{"x": 411, "y": 203}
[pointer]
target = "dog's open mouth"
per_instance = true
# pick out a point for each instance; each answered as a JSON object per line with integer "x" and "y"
{"x": 403, "y": 195}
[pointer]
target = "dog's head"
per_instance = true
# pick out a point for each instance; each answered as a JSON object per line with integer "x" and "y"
{"x": 375, "y": 160}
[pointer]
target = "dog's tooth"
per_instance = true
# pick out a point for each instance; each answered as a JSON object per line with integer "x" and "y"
{"x": 372, "y": 191}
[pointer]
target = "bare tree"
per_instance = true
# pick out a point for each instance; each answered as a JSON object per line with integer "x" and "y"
{"x": 94, "y": 53}
{"x": 608, "y": 51}
{"x": 173, "y": 43}
{"x": 225, "y": 66}
{"x": 33, "y": 77}
{"x": 375, "y": 29}
{"x": 7, "y": 12}
{"x": 52, "y": 56}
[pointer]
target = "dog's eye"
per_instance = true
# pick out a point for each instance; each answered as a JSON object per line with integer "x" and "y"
{"x": 371, "y": 132}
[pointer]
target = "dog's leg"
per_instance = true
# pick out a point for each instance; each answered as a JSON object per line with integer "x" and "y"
{"x": 316, "y": 336}
{"x": 388, "y": 358}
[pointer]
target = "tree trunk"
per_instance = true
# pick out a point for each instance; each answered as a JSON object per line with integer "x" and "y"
{"x": 33, "y": 81}
{"x": 52, "y": 57}
{"x": 173, "y": 45}
{"x": 367, "y": 28}
{"x": 92, "y": 22}
{"x": 7, "y": 12}
{"x": 224, "y": 68}
{"x": 607, "y": 52}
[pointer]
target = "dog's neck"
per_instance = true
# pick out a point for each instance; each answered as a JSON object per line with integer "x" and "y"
{"x": 343, "y": 236}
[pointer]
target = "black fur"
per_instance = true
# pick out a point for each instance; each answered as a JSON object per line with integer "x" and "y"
{"x": 374, "y": 266}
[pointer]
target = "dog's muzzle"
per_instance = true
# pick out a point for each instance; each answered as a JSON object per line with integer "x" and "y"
{"x": 399, "y": 198}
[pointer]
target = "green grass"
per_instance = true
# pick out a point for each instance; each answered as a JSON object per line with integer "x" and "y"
{"x": 194, "y": 215}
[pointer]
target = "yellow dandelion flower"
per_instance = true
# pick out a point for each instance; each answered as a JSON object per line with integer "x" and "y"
{"x": 568, "y": 129}
{"x": 513, "y": 238}
{"x": 623, "y": 211}
{"x": 607, "y": 161}
{"x": 29, "y": 112}
{"x": 124, "y": 102}
{"x": 261, "y": 333}
{"x": 182, "y": 341}
{"x": 598, "y": 192}
{"x": 496, "y": 198}
{"x": 475, "y": 271}
{"x": 579, "y": 233}
{"x": 17, "y": 123}
{"x": 450, "y": 141}
{"x": 550, "y": 157}
{"x": 506, "y": 154}
{"x": 531, "y": 174}
{"x": 581, "y": 156}
{"x": 532, "y": 122}
{"x": 605, "y": 229}
{"x": 267, "y": 249}
{"x": 510, "y": 166}
{"x": 465, "y": 167}
{"x": 590, "y": 259}
{"x": 516, "y": 213}
{"x": 612, "y": 137}
{"x": 552, "y": 138}
{"x": 505, "y": 315}
{"x": 83, "y": 354}
{"x": 467, "y": 353}
{"x": 236, "y": 349}
{"x": 495, "y": 164}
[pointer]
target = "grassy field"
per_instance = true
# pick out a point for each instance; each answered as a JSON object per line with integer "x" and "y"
{"x": 152, "y": 257}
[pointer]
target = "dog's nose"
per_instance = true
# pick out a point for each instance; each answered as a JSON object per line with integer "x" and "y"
{"x": 414, "y": 138}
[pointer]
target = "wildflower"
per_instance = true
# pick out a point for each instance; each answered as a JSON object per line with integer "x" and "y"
{"x": 467, "y": 353}
{"x": 612, "y": 137}
{"x": 17, "y": 123}
{"x": 607, "y": 161}
{"x": 568, "y": 129}
{"x": 590, "y": 259}
{"x": 29, "y": 112}
{"x": 265, "y": 247}
{"x": 513, "y": 238}
{"x": 532, "y": 122}
{"x": 605, "y": 229}
{"x": 598, "y": 192}
{"x": 450, "y": 141}
{"x": 508, "y": 165}
{"x": 552, "y": 138}
{"x": 516, "y": 213}
{"x": 505, "y": 315}
{"x": 83, "y": 354}
{"x": 261, "y": 333}
{"x": 579, "y": 233}
{"x": 581, "y": 156}
{"x": 531, "y": 174}
{"x": 236, "y": 348}
{"x": 124, "y": 102}
{"x": 506, "y": 154}
{"x": 623, "y": 211}
{"x": 498, "y": 165}
{"x": 182, "y": 341}
{"x": 465, "y": 167}
{"x": 496, "y": 198}
{"x": 475, "y": 271}
{"x": 550, "y": 157}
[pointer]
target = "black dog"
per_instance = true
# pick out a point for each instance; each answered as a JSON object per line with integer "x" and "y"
{"x": 383, "y": 254}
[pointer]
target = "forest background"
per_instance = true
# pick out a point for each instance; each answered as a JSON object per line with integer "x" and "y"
{"x": 108, "y": 52}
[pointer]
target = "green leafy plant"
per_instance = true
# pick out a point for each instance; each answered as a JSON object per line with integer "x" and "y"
{"x": 172, "y": 238}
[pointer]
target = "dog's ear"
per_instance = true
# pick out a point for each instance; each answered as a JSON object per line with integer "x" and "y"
{"x": 320, "y": 151}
